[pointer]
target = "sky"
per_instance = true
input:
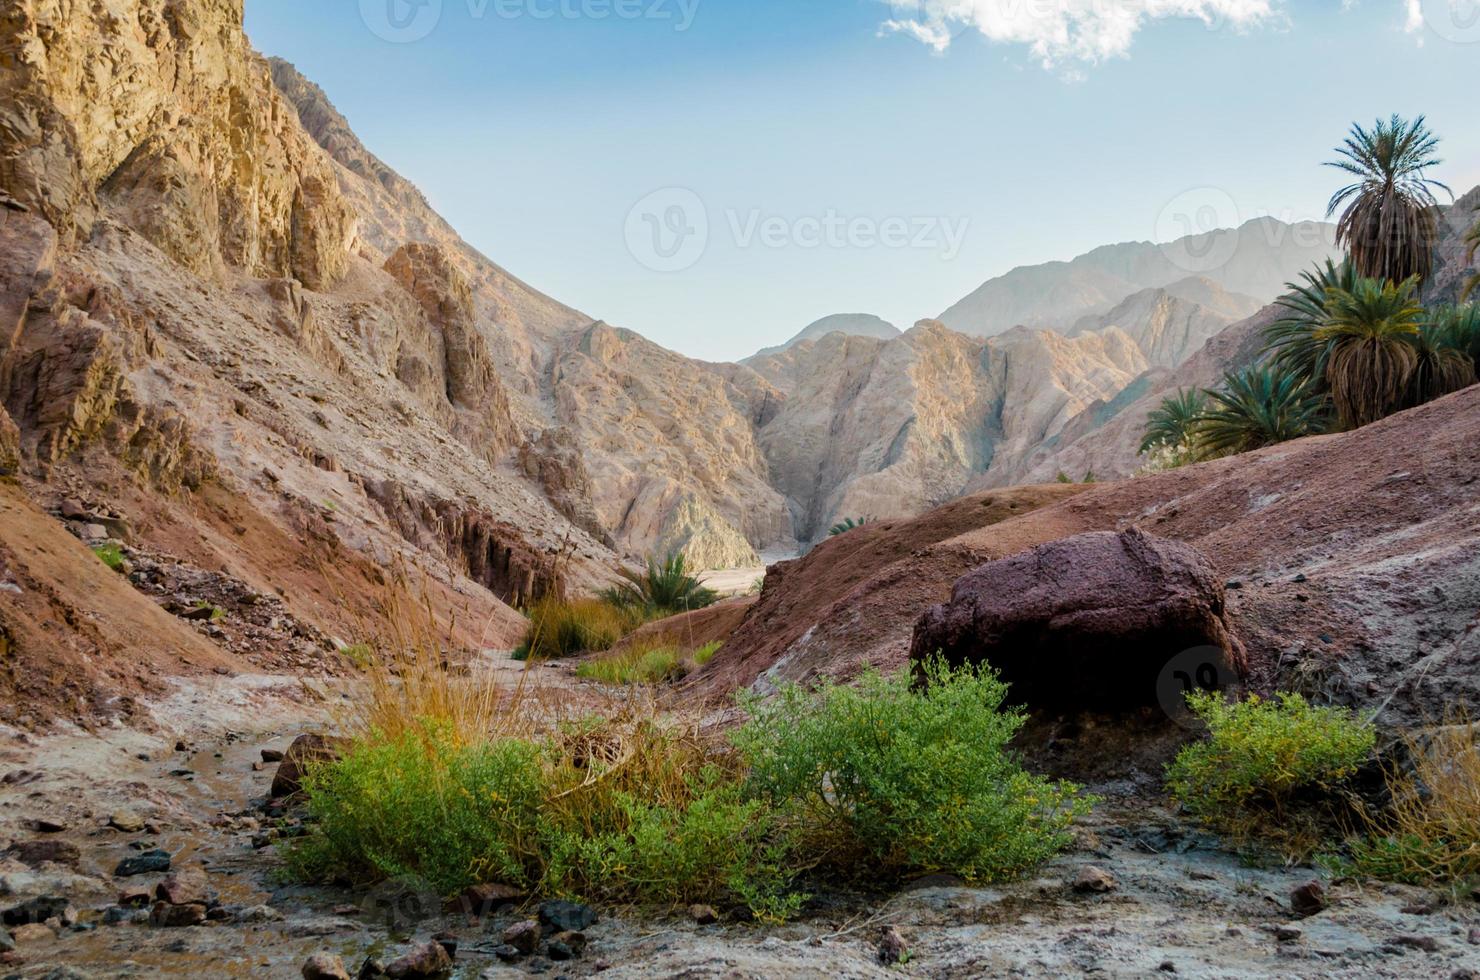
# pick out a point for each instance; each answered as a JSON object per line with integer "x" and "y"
{"x": 717, "y": 174}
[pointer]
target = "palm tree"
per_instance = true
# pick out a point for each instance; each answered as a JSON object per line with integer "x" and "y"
{"x": 1290, "y": 341}
{"x": 1173, "y": 424}
{"x": 663, "y": 587}
{"x": 1260, "y": 406}
{"x": 1391, "y": 219}
{"x": 1439, "y": 367}
{"x": 1473, "y": 238}
{"x": 1457, "y": 328}
{"x": 845, "y": 525}
{"x": 1373, "y": 331}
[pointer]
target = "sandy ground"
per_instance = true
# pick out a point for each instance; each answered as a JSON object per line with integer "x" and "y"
{"x": 1182, "y": 903}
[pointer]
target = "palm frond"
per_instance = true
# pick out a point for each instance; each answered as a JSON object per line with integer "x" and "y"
{"x": 663, "y": 587}
{"x": 1373, "y": 330}
{"x": 1259, "y": 406}
{"x": 1173, "y": 423}
{"x": 1290, "y": 341}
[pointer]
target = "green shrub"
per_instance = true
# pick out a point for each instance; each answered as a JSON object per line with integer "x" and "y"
{"x": 845, "y": 525}
{"x": 662, "y": 589}
{"x": 706, "y": 653}
{"x": 110, "y": 554}
{"x": 638, "y": 665}
{"x": 361, "y": 655}
{"x": 422, "y": 804}
{"x": 1261, "y": 756}
{"x": 900, "y": 778}
{"x": 558, "y": 628}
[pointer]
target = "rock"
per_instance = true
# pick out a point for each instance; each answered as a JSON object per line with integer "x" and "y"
{"x": 372, "y": 967}
{"x": 272, "y": 755}
{"x": 306, "y": 750}
{"x": 892, "y": 949}
{"x": 422, "y": 960}
{"x": 34, "y": 853}
{"x": 507, "y": 953}
{"x": 561, "y": 916}
{"x": 150, "y": 862}
{"x": 1093, "y": 879}
{"x": 128, "y": 821}
{"x": 703, "y": 915}
{"x": 324, "y": 966}
{"x": 47, "y": 825}
{"x": 1474, "y": 936}
{"x": 35, "y": 910}
{"x": 31, "y": 932}
{"x": 1428, "y": 944}
{"x": 1167, "y": 966}
{"x": 7, "y": 941}
{"x": 480, "y": 900}
{"x": 1308, "y": 899}
{"x": 1085, "y": 622}
{"x": 184, "y": 887}
{"x": 1287, "y": 933}
{"x": 135, "y": 896}
{"x": 523, "y": 936}
{"x": 259, "y": 913}
{"x": 566, "y": 945}
{"x": 10, "y": 445}
{"x": 169, "y": 916}
{"x": 117, "y": 915}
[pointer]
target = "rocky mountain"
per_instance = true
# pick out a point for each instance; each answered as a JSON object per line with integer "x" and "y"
{"x": 851, "y": 324}
{"x": 1255, "y": 259}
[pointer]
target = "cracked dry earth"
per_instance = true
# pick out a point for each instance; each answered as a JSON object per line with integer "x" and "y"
{"x": 1171, "y": 900}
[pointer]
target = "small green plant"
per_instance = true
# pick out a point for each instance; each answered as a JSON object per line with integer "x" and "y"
{"x": 1172, "y": 425}
{"x": 1264, "y": 757}
{"x": 560, "y": 628}
{"x": 895, "y": 777}
{"x": 1259, "y": 406}
{"x": 216, "y": 612}
{"x": 638, "y": 665}
{"x": 361, "y": 655}
{"x": 1062, "y": 477}
{"x": 110, "y": 554}
{"x": 661, "y": 589}
{"x": 846, "y": 525}
{"x": 706, "y": 653}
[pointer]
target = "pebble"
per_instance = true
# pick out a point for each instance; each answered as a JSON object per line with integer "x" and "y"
{"x": 1287, "y": 934}
{"x": 1092, "y": 878}
{"x": 422, "y": 960}
{"x": 892, "y": 948}
{"x": 127, "y": 821}
{"x": 567, "y": 916}
{"x": 1426, "y": 943}
{"x": 324, "y": 966}
{"x": 185, "y": 887}
{"x": 1308, "y": 899}
{"x": 523, "y": 936}
{"x": 170, "y": 916}
{"x": 150, "y": 862}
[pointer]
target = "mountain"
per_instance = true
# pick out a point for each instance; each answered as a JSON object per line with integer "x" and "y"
{"x": 1256, "y": 260}
{"x": 851, "y": 324}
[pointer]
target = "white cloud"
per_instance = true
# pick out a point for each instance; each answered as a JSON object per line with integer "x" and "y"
{"x": 1059, "y": 31}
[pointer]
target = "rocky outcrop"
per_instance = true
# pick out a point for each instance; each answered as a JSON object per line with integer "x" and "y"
{"x": 848, "y": 324}
{"x": 159, "y": 114}
{"x": 1087, "y": 622}
{"x": 10, "y": 445}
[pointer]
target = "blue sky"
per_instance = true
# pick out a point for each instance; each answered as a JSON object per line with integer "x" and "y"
{"x": 858, "y": 155}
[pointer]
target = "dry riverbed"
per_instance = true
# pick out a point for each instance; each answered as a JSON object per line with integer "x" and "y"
{"x": 1141, "y": 894}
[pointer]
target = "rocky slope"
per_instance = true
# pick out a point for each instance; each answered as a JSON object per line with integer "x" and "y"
{"x": 1255, "y": 259}
{"x": 851, "y": 324}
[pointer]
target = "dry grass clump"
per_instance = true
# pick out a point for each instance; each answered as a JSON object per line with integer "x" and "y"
{"x": 1430, "y": 833}
{"x": 562, "y": 628}
{"x": 653, "y": 662}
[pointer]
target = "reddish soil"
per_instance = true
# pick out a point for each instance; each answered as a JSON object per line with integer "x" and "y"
{"x": 1352, "y": 560}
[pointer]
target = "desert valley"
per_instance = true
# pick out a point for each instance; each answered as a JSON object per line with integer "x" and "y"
{"x": 366, "y": 611}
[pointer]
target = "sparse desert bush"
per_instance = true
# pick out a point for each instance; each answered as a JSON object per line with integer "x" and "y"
{"x": 706, "y": 653}
{"x": 110, "y": 554}
{"x": 661, "y": 589}
{"x": 1264, "y": 758}
{"x": 1430, "y": 835}
{"x": 893, "y": 777}
{"x": 361, "y": 655}
{"x": 561, "y": 628}
{"x": 645, "y": 663}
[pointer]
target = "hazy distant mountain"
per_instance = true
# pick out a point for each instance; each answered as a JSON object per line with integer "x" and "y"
{"x": 851, "y": 324}
{"x": 1254, "y": 260}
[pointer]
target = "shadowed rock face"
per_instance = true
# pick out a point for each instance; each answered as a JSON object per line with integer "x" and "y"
{"x": 1087, "y": 622}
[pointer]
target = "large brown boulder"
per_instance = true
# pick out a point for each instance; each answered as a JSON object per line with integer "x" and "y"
{"x": 308, "y": 750}
{"x": 1086, "y": 622}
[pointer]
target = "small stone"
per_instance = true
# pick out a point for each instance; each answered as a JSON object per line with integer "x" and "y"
{"x": 150, "y": 862}
{"x": 35, "y": 910}
{"x": 481, "y": 900}
{"x": 117, "y": 915}
{"x": 272, "y": 755}
{"x": 422, "y": 960}
{"x": 31, "y": 932}
{"x": 34, "y": 853}
{"x": 892, "y": 948}
{"x": 135, "y": 896}
{"x": 566, "y": 945}
{"x": 1308, "y": 899}
{"x": 7, "y": 942}
{"x": 185, "y": 887}
{"x": 1092, "y": 878}
{"x": 448, "y": 941}
{"x": 127, "y": 821}
{"x": 1426, "y": 943}
{"x": 169, "y": 916}
{"x": 507, "y": 953}
{"x": 47, "y": 825}
{"x": 306, "y": 751}
{"x": 259, "y": 913}
{"x": 523, "y": 936}
{"x": 324, "y": 966}
{"x": 1287, "y": 934}
{"x": 703, "y": 915}
{"x": 372, "y": 967}
{"x": 566, "y": 916}
{"x": 1475, "y": 936}
{"x": 1167, "y": 966}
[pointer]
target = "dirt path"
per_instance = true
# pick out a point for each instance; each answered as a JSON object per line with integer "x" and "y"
{"x": 1180, "y": 902}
